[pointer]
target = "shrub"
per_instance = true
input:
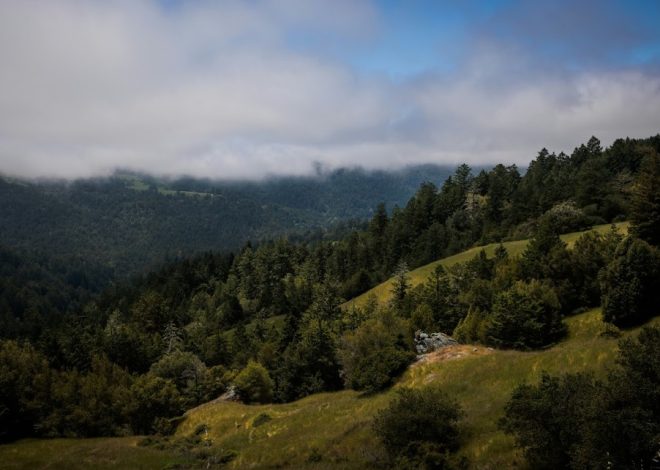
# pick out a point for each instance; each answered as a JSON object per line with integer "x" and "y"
{"x": 254, "y": 385}
{"x": 153, "y": 399}
{"x": 374, "y": 354}
{"x": 566, "y": 217}
{"x": 420, "y": 428}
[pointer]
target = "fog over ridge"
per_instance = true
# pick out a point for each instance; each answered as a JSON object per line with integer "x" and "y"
{"x": 229, "y": 90}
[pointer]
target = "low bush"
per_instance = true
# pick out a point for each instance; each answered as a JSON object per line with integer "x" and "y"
{"x": 419, "y": 429}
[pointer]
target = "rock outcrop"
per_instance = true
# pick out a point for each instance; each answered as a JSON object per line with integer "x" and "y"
{"x": 428, "y": 342}
{"x": 230, "y": 395}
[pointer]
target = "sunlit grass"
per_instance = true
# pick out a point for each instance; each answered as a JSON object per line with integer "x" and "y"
{"x": 484, "y": 383}
{"x": 337, "y": 426}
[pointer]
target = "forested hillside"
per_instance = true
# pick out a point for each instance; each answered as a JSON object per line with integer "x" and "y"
{"x": 134, "y": 222}
{"x": 266, "y": 321}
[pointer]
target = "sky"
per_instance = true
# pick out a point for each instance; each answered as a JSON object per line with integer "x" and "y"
{"x": 251, "y": 88}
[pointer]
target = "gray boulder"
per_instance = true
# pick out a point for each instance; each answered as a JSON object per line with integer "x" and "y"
{"x": 428, "y": 342}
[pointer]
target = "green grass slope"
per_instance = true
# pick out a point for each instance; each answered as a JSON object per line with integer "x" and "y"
{"x": 333, "y": 430}
{"x": 98, "y": 453}
{"x": 419, "y": 275}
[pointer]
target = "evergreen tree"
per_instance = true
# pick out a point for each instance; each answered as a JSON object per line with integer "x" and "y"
{"x": 152, "y": 397}
{"x": 630, "y": 283}
{"x": 547, "y": 419}
{"x": 172, "y": 338}
{"x": 379, "y": 222}
{"x": 645, "y": 213}
{"x": 24, "y": 389}
{"x": 574, "y": 421}
{"x": 400, "y": 286}
{"x": 525, "y": 316}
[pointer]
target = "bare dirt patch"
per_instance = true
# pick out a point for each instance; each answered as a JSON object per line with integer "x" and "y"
{"x": 450, "y": 353}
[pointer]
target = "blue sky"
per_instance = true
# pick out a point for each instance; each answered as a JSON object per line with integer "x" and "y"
{"x": 426, "y": 36}
{"x": 248, "y": 88}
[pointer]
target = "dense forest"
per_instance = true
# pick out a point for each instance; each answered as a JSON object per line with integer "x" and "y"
{"x": 267, "y": 320}
{"x": 131, "y": 223}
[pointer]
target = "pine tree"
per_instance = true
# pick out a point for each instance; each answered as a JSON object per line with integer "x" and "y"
{"x": 645, "y": 214}
{"x": 401, "y": 283}
{"x": 630, "y": 284}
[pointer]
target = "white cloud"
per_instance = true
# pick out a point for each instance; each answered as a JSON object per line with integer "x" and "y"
{"x": 217, "y": 89}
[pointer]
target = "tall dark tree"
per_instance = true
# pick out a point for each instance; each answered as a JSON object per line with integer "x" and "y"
{"x": 645, "y": 213}
{"x": 24, "y": 389}
{"x": 630, "y": 284}
{"x": 525, "y": 316}
{"x": 400, "y": 287}
{"x": 547, "y": 419}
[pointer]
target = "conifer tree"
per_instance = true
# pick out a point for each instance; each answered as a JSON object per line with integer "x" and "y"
{"x": 645, "y": 214}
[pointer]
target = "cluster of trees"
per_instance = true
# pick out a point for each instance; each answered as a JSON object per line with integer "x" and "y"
{"x": 519, "y": 302}
{"x": 578, "y": 421}
{"x": 268, "y": 318}
{"x": 38, "y": 291}
{"x": 105, "y": 399}
{"x": 516, "y": 302}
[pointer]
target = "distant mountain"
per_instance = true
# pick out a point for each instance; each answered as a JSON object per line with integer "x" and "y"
{"x": 130, "y": 222}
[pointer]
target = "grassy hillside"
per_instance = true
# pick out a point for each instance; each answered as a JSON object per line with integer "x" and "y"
{"x": 334, "y": 429}
{"x": 100, "y": 453}
{"x": 419, "y": 275}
